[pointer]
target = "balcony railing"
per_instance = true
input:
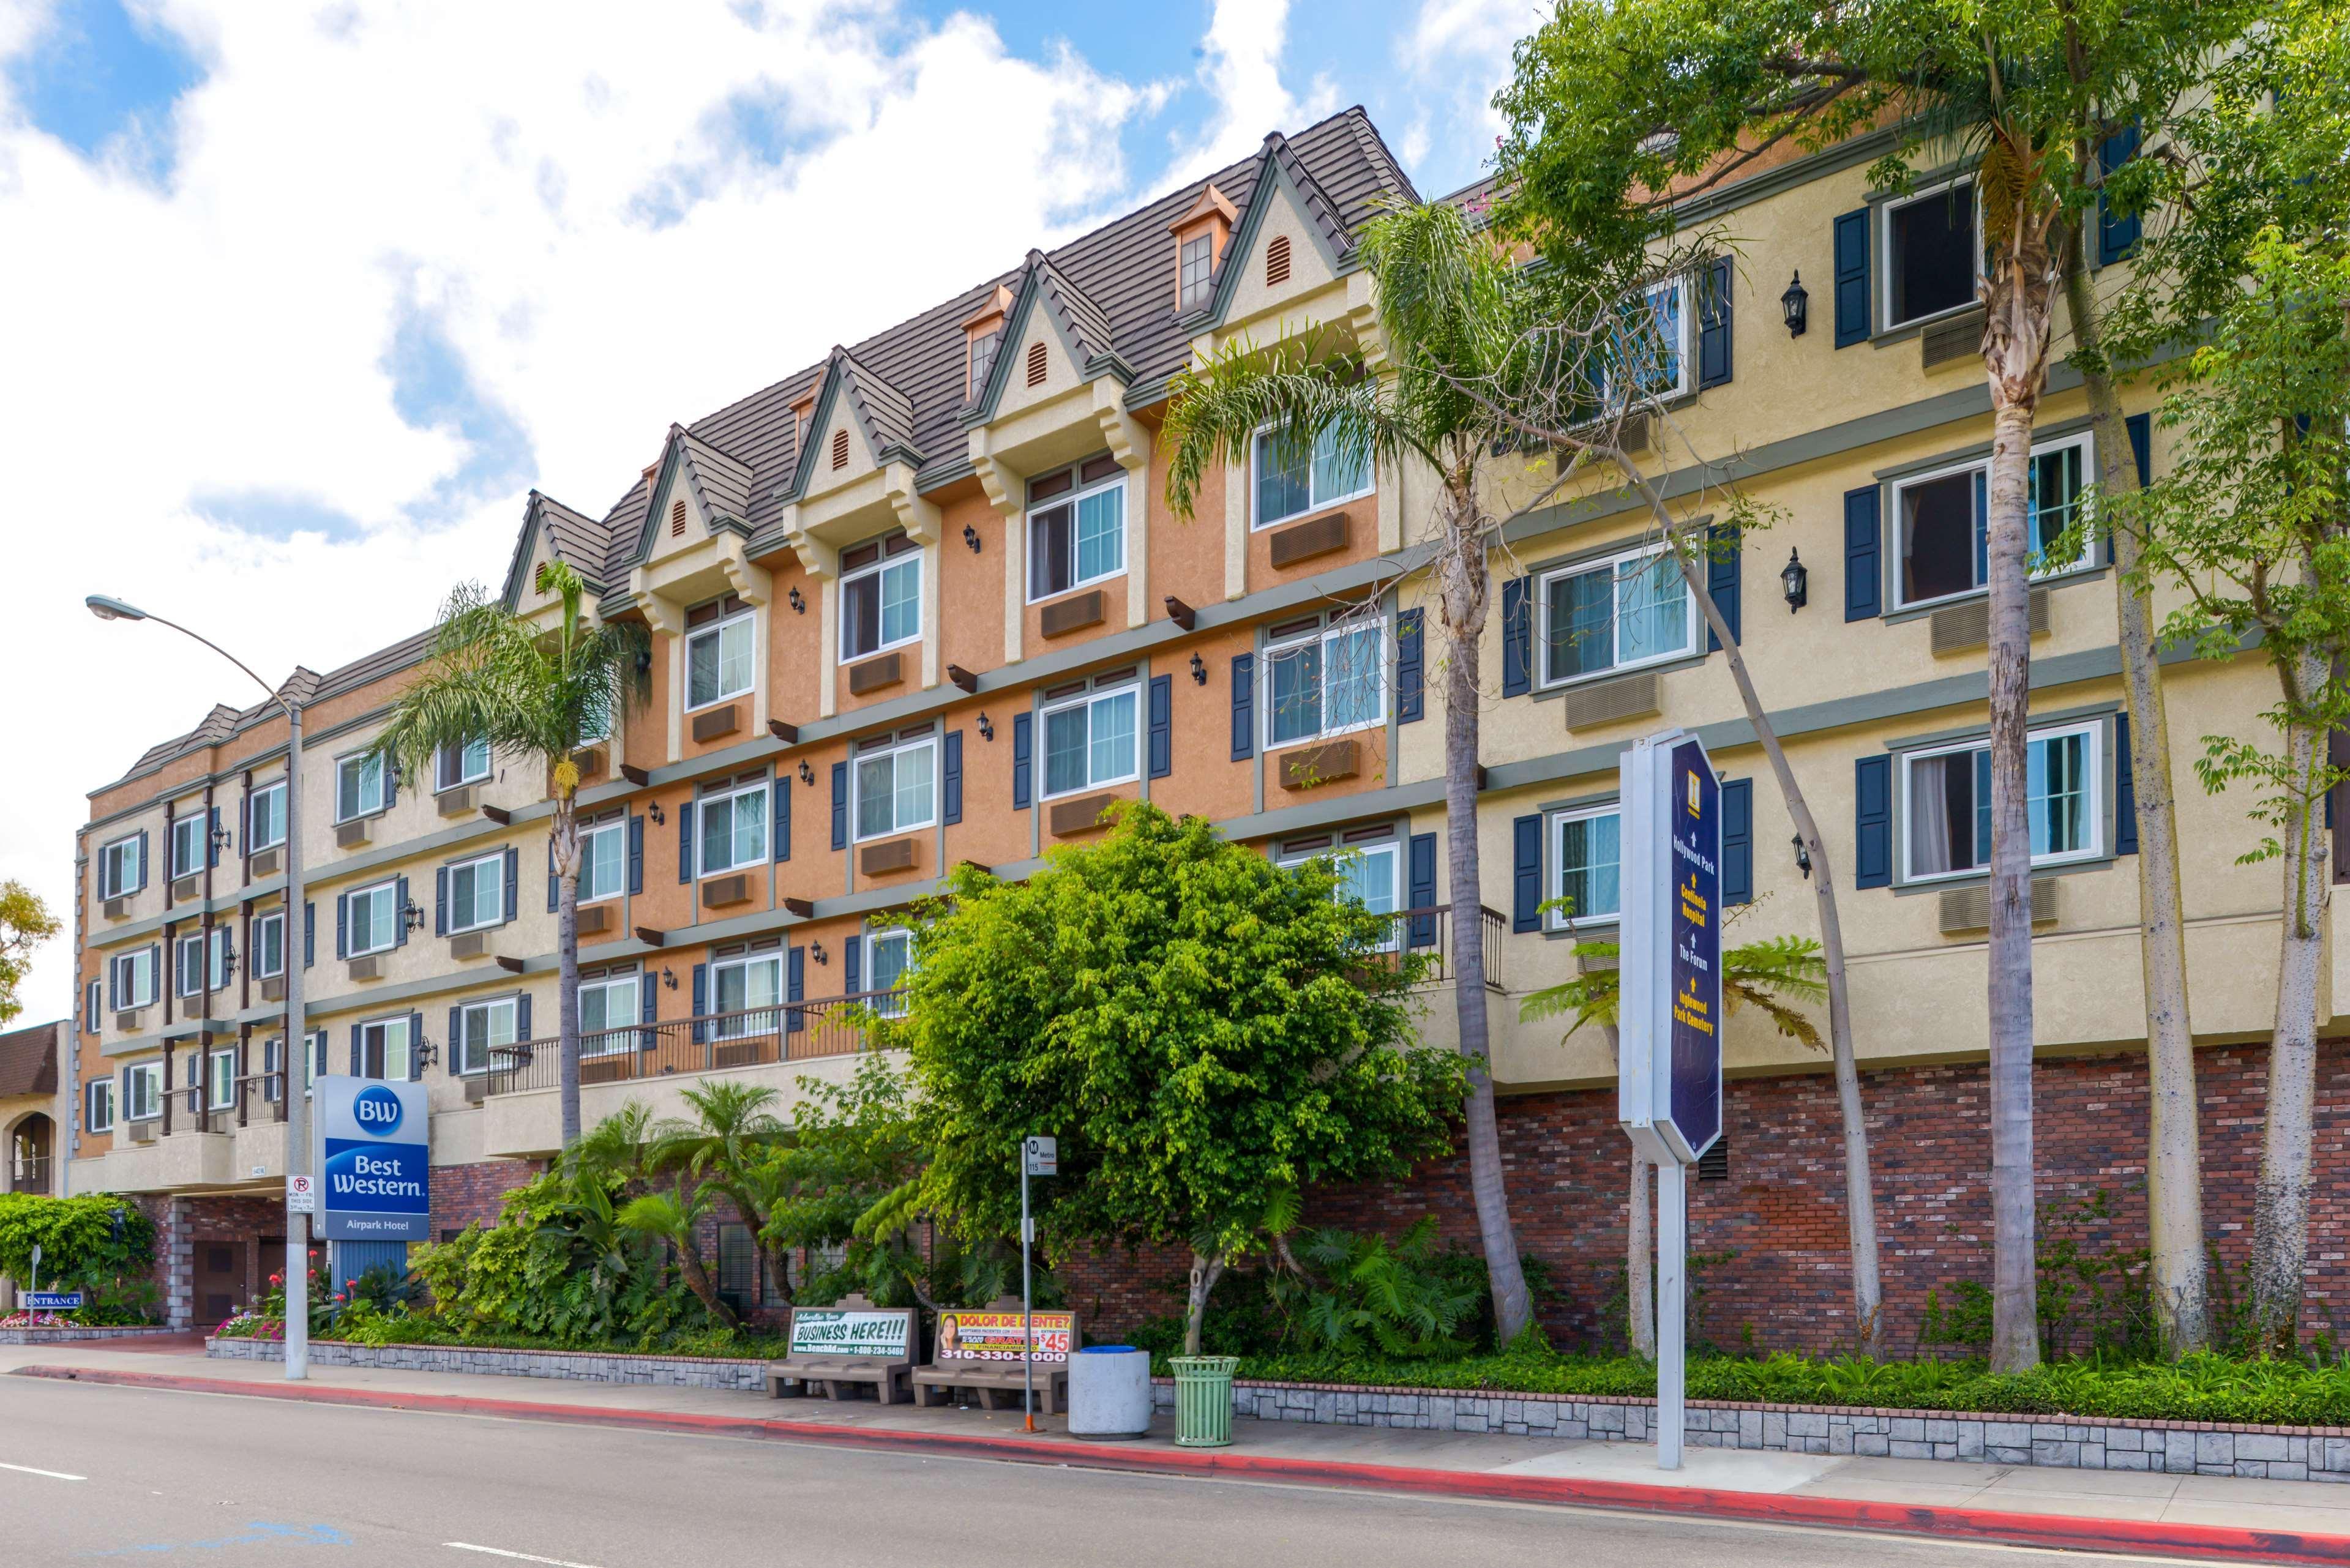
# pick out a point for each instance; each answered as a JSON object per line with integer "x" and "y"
{"x": 256, "y": 1097}
{"x": 795, "y": 1031}
{"x": 1430, "y": 930}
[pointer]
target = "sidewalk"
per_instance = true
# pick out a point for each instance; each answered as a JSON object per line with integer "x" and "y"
{"x": 2235, "y": 1520}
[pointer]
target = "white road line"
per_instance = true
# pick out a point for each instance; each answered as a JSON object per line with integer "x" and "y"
{"x": 518, "y": 1556}
{"x": 53, "y": 1475}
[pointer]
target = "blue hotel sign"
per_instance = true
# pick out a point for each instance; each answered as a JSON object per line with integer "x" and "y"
{"x": 1669, "y": 1088}
{"x": 373, "y": 1160}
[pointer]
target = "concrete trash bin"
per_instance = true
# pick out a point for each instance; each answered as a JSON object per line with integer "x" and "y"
{"x": 1109, "y": 1392}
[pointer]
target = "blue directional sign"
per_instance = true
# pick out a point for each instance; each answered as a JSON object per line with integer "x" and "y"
{"x": 1695, "y": 969}
{"x": 373, "y": 1158}
{"x": 1669, "y": 998}
{"x": 51, "y": 1301}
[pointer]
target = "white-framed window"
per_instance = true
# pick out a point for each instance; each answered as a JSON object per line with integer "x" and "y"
{"x": 1195, "y": 265}
{"x": 603, "y": 860}
{"x": 717, "y": 662}
{"x": 1649, "y": 354}
{"x": 981, "y": 359}
{"x": 1628, "y": 610}
{"x": 265, "y": 817}
{"x": 216, "y": 960}
{"x": 1289, "y": 477}
{"x": 887, "y": 956}
{"x": 733, "y": 829}
{"x": 371, "y": 916}
{"x": 358, "y": 786}
{"x": 220, "y": 1086}
{"x": 881, "y": 597}
{"x": 477, "y": 893}
{"x": 1941, "y": 545}
{"x": 134, "y": 978}
{"x": 1946, "y": 802}
{"x": 1586, "y": 858}
{"x": 482, "y": 1027}
{"x": 1077, "y": 535}
{"x": 384, "y": 1048}
{"x": 97, "y": 1106}
{"x": 1089, "y": 741}
{"x": 268, "y": 955}
{"x": 122, "y": 866}
{"x": 745, "y": 992}
{"x": 596, "y": 726}
{"x": 142, "y": 1091}
{"x": 610, "y": 1002}
{"x": 188, "y": 965}
{"x": 1328, "y": 681}
{"x": 191, "y": 838}
{"x": 896, "y": 788}
{"x": 1931, "y": 254}
{"x": 468, "y": 764}
{"x": 1369, "y": 874}
{"x": 314, "y": 1063}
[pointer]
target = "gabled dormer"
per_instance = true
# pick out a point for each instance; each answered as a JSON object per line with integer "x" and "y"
{"x": 1200, "y": 237}
{"x": 982, "y": 336}
{"x": 1288, "y": 244}
{"x": 552, "y": 532}
{"x": 694, "y": 492}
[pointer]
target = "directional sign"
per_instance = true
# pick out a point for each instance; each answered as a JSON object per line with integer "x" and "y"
{"x": 1670, "y": 1001}
{"x": 1694, "y": 1100}
{"x": 372, "y": 1155}
{"x": 52, "y": 1301}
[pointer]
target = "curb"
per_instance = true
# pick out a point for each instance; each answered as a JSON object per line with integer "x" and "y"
{"x": 2059, "y": 1531}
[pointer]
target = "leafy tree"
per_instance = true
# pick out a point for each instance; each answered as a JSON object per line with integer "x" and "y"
{"x": 24, "y": 924}
{"x": 1208, "y": 1035}
{"x": 94, "y": 1242}
{"x": 537, "y": 688}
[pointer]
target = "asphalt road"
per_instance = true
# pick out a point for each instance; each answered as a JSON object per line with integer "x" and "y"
{"x": 222, "y": 1480}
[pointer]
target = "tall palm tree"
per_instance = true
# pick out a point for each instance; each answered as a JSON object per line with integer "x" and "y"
{"x": 536, "y": 690}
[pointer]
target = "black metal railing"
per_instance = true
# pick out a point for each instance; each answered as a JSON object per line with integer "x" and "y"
{"x": 792, "y": 1032}
{"x": 256, "y": 1096}
{"x": 1429, "y": 931}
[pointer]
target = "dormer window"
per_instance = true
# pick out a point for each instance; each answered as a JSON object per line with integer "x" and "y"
{"x": 1196, "y": 262}
{"x": 1199, "y": 236}
{"x": 983, "y": 359}
{"x": 982, "y": 336}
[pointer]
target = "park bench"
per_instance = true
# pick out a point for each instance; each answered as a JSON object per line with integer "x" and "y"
{"x": 839, "y": 1346}
{"x": 979, "y": 1349}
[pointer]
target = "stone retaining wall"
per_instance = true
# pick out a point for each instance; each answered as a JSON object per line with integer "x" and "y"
{"x": 59, "y": 1335}
{"x": 580, "y": 1366}
{"x": 2067, "y": 1442}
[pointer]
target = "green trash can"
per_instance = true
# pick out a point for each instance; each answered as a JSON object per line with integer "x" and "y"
{"x": 1204, "y": 1400}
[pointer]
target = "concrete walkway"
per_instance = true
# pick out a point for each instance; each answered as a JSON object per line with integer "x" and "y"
{"x": 2130, "y": 1502}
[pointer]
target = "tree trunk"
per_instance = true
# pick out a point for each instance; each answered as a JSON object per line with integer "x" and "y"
{"x": 1205, "y": 1272}
{"x": 565, "y": 833}
{"x": 2281, "y": 1197}
{"x": 698, "y": 1281}
{"x": 1639, "y": 1280}
{"x": 1464, "y": 592}
{"x": 2174, "y": 1167}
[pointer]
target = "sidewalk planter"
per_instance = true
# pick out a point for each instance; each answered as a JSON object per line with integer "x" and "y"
{"x": 1109, "y": 1392}
{"x": 1204, "y": 1400}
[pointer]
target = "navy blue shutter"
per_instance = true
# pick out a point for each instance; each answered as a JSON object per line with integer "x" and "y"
{"x": 1243, "y": 706}
{"x": 356, "y": 1065}
{"x": 1862, "y": 548}
{"x": 685, "y": 842}
{"x": 440, "y": 902}
{"x": 512, "y": 876}
{"x": 1736, "y": 841}
{"x": 309, "y": 935}
{"x": 416, "y": 1047}
{"x": 951, "y": 779}
{"x": 1852, "y": 278}
{"x": 1525, "y": 873}
{"x": 1023, "y": 744}
{"x": 852, "y": 963}
{"x": 449, "y": 1042}
{"x": 648, "y": 1002}
{"x": 2125, "y": 791}
{"x": 1713, "y": 324}
{"x": 343, "y": 925}
{"x": 1162, "y": 726}
{"x": 783, "y": 845}
{"x": 554, "y": 883}
{"x": 636, "y": 854}
{"x": 840, "y": 805}
{"x": 2116, "y": 237}
{"x": 2141, "y": 440}
{"x": 1722, "y": 580}
{"x": 113, "y": 984}
{"x": 213, "y": 839}
{"x": 142, "y": 865}
{"x": 521, "y": 1016}
{"x": 1872, "y": 823}
{"x": 390, "y": 785}
{"x": 1517, "y": 638}
{"x": 1423, "y": 851}
{"x": 795, "y": 988}
{"x": 701, "y": 999}
{"x": 1411, "y": 666}
{"x": 400, "y": 912}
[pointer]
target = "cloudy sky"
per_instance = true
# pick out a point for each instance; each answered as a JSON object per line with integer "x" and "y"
{"x": 298, "y": 297}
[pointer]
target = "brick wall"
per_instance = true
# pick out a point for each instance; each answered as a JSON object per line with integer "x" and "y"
{"x": 1779, "y": 1215}
{"x": 466, "y": 1195}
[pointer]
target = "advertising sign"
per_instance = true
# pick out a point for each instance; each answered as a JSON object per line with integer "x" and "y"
{"x": 995, "y": 1335}
{"x": 1670, "y": 1008}
{"x": 837, "y": 1331}
{"x": 372, "y": 1151}
{"x": 66, "y": 1301}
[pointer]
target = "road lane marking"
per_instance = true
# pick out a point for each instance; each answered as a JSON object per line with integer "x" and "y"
{"x": 53, "y": 1475}
{"x": 518, "y": 1556}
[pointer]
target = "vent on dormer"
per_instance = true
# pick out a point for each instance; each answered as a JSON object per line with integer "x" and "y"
{"x": 1035, "y": 364}
{"x": 677, "y": 519}
{"x": 1276, "y": 262}
{"x": 840, "y": 449}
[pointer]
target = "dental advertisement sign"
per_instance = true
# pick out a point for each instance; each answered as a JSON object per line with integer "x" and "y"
{"x": 373, "y": 1161}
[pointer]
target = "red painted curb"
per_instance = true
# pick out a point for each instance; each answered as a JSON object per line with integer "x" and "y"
{"x": 2209, "y": 1542}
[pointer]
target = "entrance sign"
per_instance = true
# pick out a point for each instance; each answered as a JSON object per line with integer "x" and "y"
{"x": 373, "y": 1158}
{"x": 1669, "y": 1077}
{"x": 831, "y": 1331}
{"x": 53, "y": 1301}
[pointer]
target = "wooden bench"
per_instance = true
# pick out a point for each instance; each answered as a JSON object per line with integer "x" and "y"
{"x": 843, "y": 1346}
{"x": 979, "y": 1349}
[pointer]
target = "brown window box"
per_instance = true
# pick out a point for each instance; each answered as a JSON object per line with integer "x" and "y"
{"x": 458, "y": 802}
{"x": 1075, "y": 613}
{"x": 1613, "y": 701}
{"x": 1310, "y": 767}
{"x": 1960, "y": 338}
{"x": 128, "y": 1022}
{"x": 743, "y": 1053}
{"x": 187, "y": 888}
{"x": 891, "y": 855}
{"x": 595, "y": 921}
{"x": 1968, "y": 626}
{"x": 351, "y": 835}
{"x": 1082, "y": 814}
{"x": 1968, "y": 909}
{"x": 273, "y": 990}
{"x": 264, "y": 862}
{"x": 117, "y": 909}
{"x": 589, "y": 761}
{"x": 716, "y": 723}
{"x": 1303, "y": 541}
{"x": 720, "y": 891}
{"x": 369, "y": 968}
{"x": 471, "y": 945}
{"x": 874, "y": 674}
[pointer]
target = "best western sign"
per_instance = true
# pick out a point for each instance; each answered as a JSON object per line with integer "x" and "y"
{"x": 374, "y": 1165}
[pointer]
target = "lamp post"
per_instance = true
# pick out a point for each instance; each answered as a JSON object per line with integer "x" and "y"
{"x": 296, "y": 1085}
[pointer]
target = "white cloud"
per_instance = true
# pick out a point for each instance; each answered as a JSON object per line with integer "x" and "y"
{"x": 409, "y": 260}
{"x": 1458, "y": 52}
{"x": 1240, "y": 70}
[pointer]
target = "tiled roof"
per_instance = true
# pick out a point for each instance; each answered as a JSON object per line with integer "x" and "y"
{"x": 723, "y": 481}
{"x": 29, "y": 1060}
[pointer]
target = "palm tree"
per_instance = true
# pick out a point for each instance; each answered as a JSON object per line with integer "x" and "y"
{"x": 536, "y": 692}
{"x": 1445, "y": 293}
{"x": 674, "y": 1217}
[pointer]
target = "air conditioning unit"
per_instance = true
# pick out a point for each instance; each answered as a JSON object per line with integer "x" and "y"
{"x": 142, "y": 1132}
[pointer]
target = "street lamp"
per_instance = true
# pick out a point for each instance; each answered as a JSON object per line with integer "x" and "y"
{"x": 297, "y": 1105}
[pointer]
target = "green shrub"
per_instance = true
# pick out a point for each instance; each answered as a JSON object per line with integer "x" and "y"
{"x": 96, "y": 1244}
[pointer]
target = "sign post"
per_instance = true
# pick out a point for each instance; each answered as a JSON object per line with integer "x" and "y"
{"x": 1669, "y": 1080}
{"x": 373, "y": 1162}
{"x": 1038, "y": 1157}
